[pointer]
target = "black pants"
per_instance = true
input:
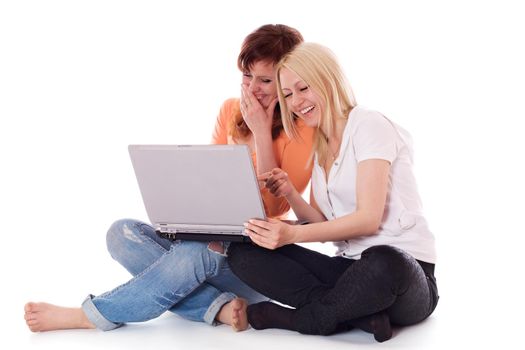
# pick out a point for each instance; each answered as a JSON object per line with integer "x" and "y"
{"x": 327, "y": 292}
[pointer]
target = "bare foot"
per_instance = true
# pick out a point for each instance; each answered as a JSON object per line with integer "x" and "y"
{"x": 234, "y": 314}
{"x": 41, "y": 317}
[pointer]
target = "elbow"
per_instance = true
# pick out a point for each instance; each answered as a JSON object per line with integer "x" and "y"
{"x": 370, "y": 222}
{"x": 371, "y": 227}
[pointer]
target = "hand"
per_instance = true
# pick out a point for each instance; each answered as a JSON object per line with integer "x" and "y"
{"x": 270, "y": 234}
{"x": 277, "y": 182}
{"x": 258, "y": 119}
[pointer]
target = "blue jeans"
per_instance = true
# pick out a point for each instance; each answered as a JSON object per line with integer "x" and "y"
{"x": 184, "y": 277}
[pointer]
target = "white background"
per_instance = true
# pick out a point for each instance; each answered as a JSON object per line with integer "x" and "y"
{"x": 80, "y": 80}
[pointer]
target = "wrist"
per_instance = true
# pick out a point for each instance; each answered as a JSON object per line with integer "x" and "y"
{"x": 262, "y": 137}
{"x": 292, "y": 195}
{"x": 295, "y": 234}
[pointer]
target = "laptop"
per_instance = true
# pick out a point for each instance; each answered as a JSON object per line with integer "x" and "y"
{"x": 198, "y": 192}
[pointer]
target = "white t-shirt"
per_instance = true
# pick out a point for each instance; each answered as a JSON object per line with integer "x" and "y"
{"x": 370, "y": 135}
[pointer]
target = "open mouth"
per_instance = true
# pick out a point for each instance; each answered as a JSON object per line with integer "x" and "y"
{"x": 307, "y": 110}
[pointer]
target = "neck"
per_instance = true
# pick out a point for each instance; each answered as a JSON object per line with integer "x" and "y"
{"x": 337, "y": 131}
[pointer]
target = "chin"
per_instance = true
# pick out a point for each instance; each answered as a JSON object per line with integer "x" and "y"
{"x": 311, "y": 122}
{"x": 265, "y": 102}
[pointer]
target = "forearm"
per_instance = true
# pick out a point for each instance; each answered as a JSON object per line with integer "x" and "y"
{"x": 354, "y": 225}
{"x": 265, "y": 155}
{"x": 303, "y": 210}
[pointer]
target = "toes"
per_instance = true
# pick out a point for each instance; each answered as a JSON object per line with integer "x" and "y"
{"x": 29, "y": 307}
{"x": 239, "y": 317}
{"x": 34, "y": 325}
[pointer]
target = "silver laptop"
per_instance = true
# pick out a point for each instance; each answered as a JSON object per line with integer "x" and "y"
{"x": 198, "y": 192}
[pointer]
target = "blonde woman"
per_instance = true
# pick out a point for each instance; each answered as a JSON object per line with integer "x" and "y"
{"x": 363, "y": 198}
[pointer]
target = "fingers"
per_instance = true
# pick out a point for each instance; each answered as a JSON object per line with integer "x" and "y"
{"x": 277, "y": 188}
{"x": 264, "y": 176}
{"x": 266, "y": 234}
{"x": 259, "y": 236}
{"x": 272, "y": 179}
{"x": 276, "y": 180}
{"x": 271, "y": 107}
{"x": 256, "y": 233}
{"x": 277, "y": 177}
{"x": 246, "y": 97}
{"x": 257, "y": 239}
{"x": 258, "y": 225}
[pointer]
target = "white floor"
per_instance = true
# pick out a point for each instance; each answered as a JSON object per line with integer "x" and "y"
{"x": 174, "y": 333}
{"x": 440, "y": 331}
{"x": 464, "y": 317}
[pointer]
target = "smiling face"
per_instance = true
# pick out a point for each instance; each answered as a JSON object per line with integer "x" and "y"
{"x": 300, "y": 98}
{"x": 260, "y": 81}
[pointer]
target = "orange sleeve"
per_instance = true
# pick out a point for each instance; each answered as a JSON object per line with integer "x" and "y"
{"x": 294, "y": 156}
{"x": 220, "y": 131}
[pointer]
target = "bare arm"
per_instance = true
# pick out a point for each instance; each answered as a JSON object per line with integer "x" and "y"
{"x": 259, "y": 120}
{"x": 371, "y": 188}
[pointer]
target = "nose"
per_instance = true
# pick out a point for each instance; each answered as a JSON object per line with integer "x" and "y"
{"x": 296, "y": 100}
{"x": 254, "y": 86}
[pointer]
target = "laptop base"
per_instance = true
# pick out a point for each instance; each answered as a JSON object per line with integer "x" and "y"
{"x": 203, "y": 237}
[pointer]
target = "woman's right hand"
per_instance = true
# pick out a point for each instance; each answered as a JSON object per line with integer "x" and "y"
{"x": 277, "y": 182}
{"x": 258, "y": 119}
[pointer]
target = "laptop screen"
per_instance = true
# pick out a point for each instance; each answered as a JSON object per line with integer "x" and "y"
{"x": 199, "y": 186}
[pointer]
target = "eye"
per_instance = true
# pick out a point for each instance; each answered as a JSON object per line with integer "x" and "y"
{"x": 247, "y": 74}
{"x": 287, "y": 95}
{"x": 304, "y": 88}
{"x": 266, "y": 81}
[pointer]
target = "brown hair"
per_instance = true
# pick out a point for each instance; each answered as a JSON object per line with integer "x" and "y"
{"x": 268, "y": 43}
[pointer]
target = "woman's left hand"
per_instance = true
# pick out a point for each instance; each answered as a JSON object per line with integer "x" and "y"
{"x": 270, "y": 234}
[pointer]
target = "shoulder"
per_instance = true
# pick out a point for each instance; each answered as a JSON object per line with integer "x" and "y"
{"x": 229, "y": 109}
{"x": 368, "y": 122}
{"x": 233, "y": 102}
{"x": 230, "y": 106}
{"x": 361, "y": 116}
{"x": 373, "y": 135}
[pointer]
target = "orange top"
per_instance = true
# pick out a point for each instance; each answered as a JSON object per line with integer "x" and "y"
{"x": 291, "y": 155}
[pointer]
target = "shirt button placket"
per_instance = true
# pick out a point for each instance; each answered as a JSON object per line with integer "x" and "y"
{"x": 330, "y": 202}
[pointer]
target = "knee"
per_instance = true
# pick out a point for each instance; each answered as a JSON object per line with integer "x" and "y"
{"x": 197, "y": 254}
{"x": 195, "y": 251}
{"x": 233, "y": 248}
{"x": 236, "y": 254}
{"x": 217, "y": 247}
{"x": 389, "y": 263}
{"x": 386, "y": 254}
{"x": 120, "y": 231}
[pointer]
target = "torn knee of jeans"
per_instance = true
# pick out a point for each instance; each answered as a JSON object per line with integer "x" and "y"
{"x": 217, "y": 247}
{"x": 130, "y": 234}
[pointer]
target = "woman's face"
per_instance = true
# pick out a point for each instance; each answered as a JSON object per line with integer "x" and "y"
{"x": 300, "y": 98}
{"x": 260, "y": 82}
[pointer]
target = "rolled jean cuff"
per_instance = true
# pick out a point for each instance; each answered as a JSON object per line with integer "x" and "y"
{"x": 96, "y": 317}
{"x": 215, "y": 307}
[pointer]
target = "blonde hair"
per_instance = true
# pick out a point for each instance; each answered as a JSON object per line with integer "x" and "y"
{"x": 317, "y": 66}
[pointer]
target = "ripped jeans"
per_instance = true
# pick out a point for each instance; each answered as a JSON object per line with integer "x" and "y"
{"x": 183, "y": 277}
